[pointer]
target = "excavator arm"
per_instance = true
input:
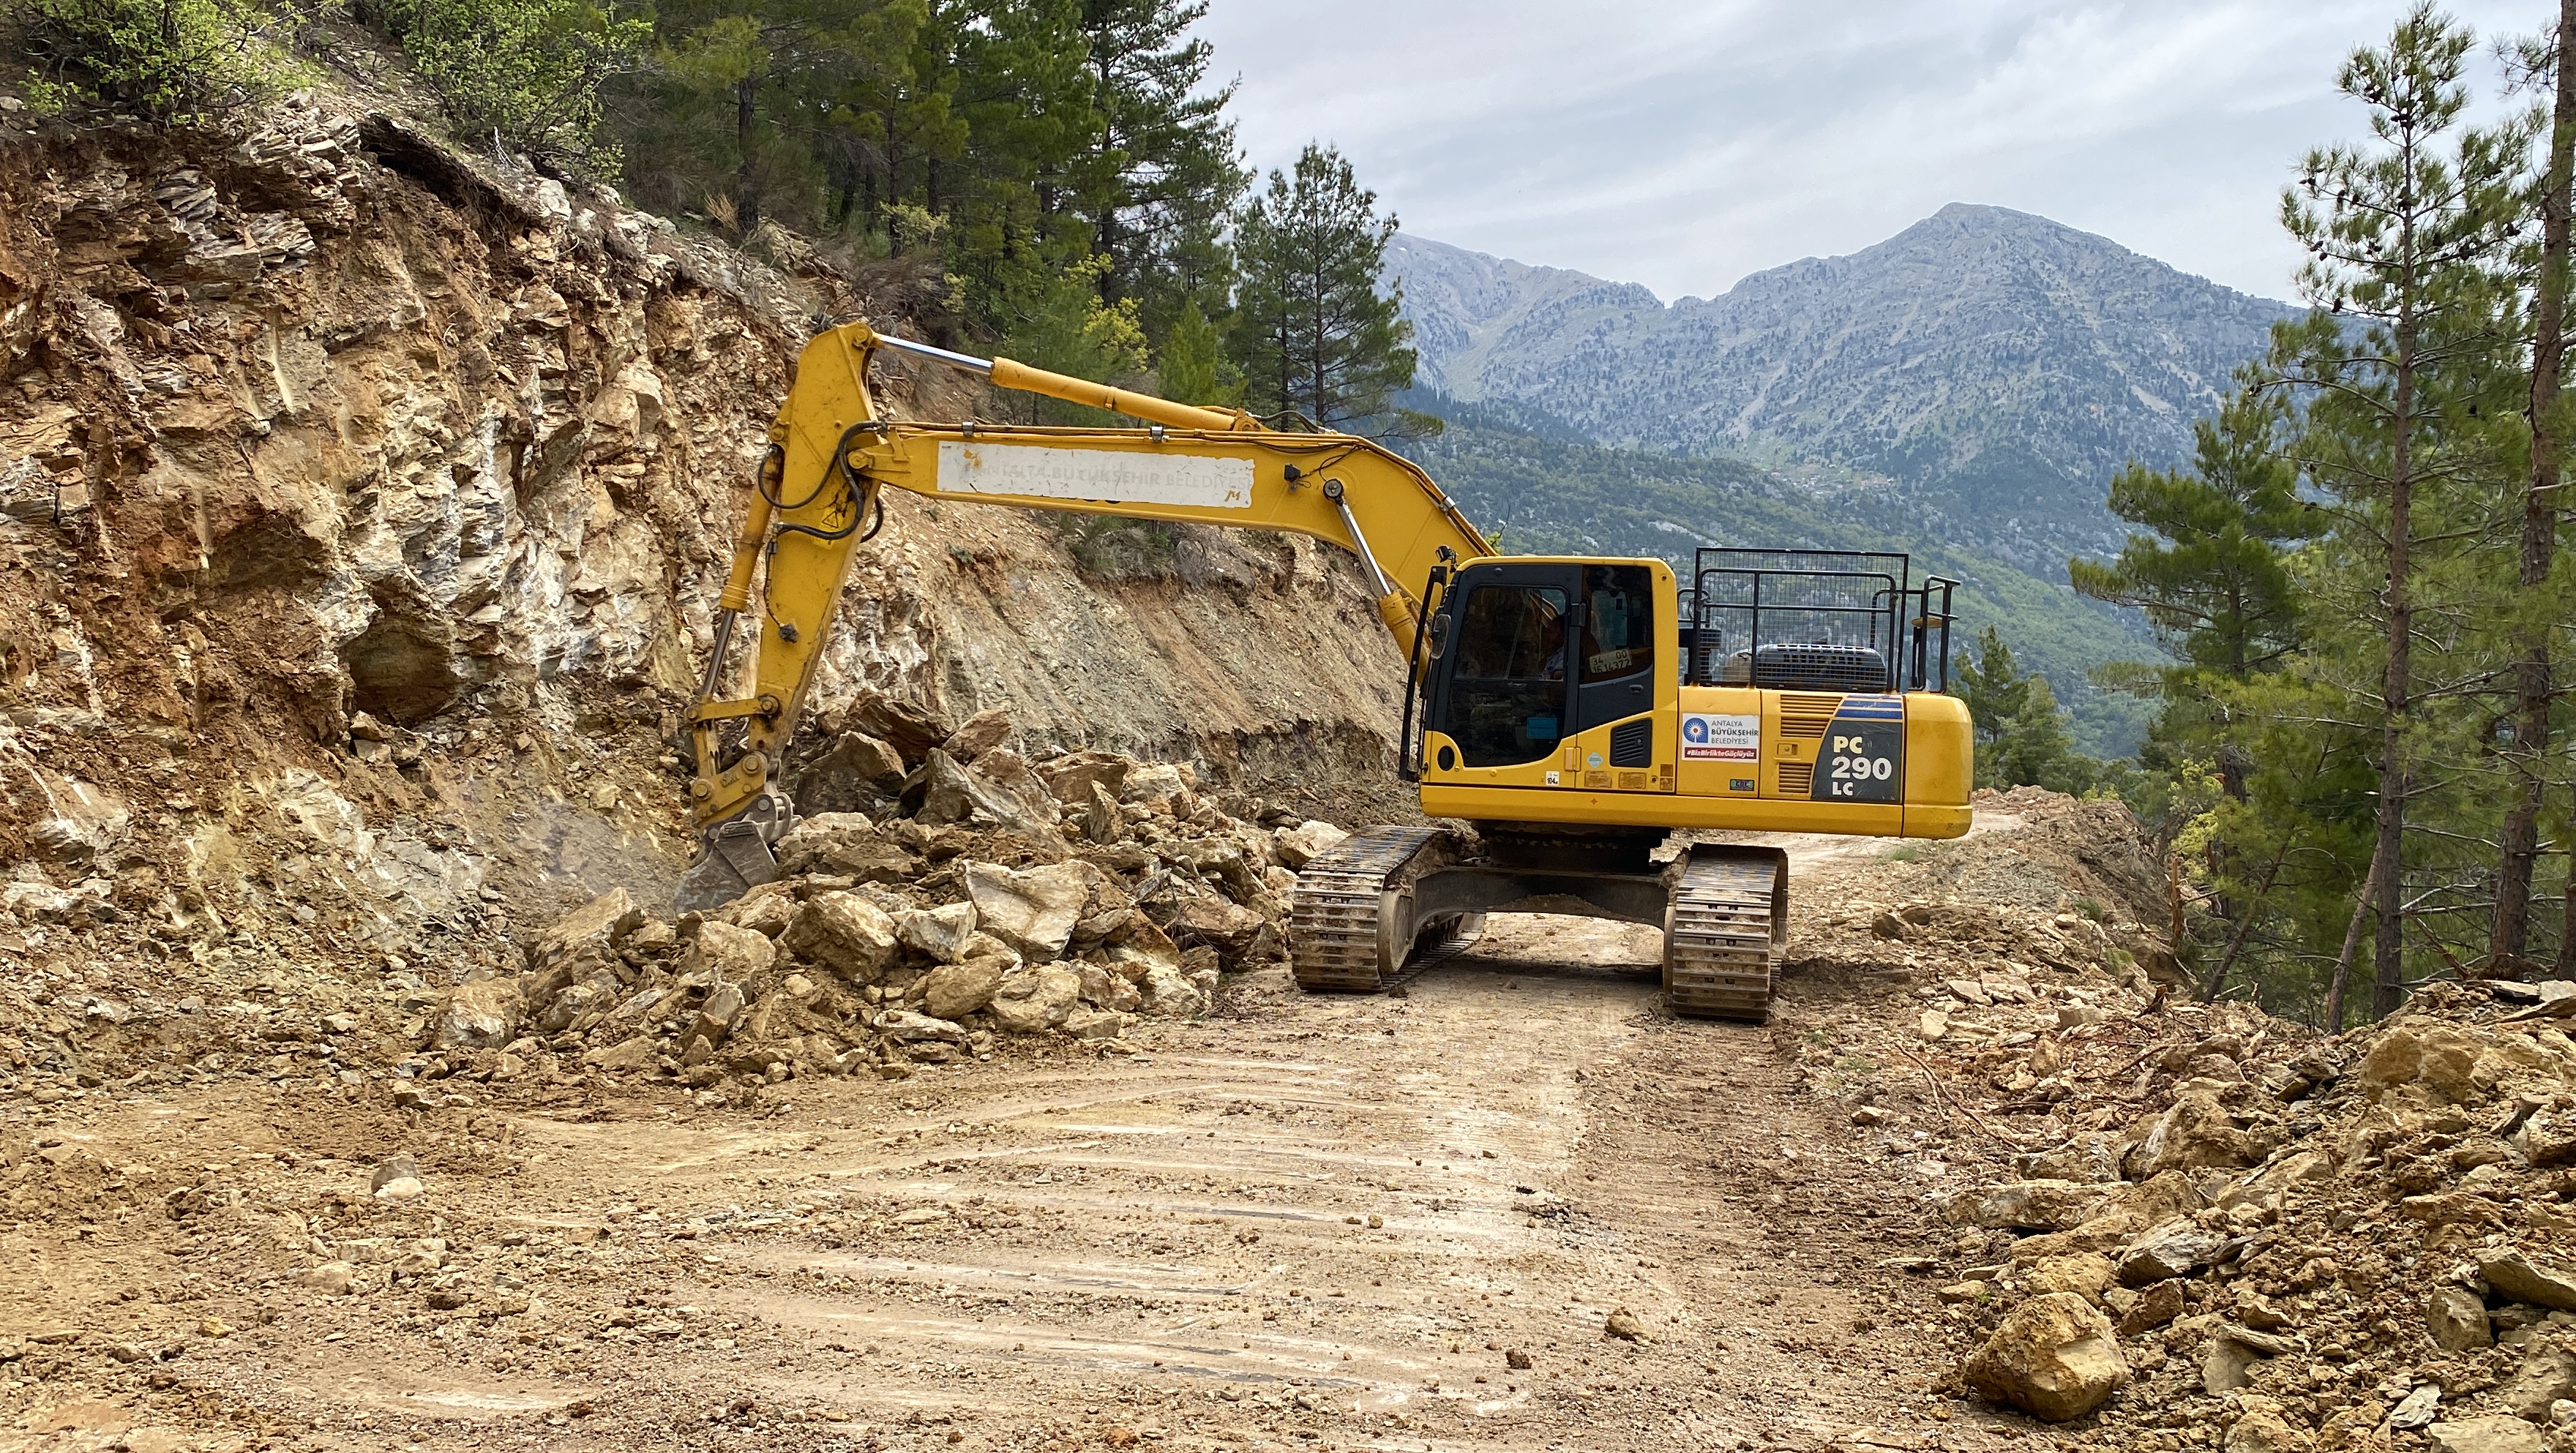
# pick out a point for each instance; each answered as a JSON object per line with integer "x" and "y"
{"x": 820, "y": 494}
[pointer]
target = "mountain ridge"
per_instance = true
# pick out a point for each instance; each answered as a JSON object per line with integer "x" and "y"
{"x": 1995, "y": 366}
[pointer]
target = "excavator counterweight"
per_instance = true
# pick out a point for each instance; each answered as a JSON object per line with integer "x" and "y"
{"x": 1577, "y": 710}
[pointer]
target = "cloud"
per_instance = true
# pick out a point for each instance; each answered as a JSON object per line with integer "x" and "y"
{"x": 1684, "y": 143}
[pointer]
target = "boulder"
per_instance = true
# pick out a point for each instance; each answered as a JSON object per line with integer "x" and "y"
{"x": 2173, "y": 1248}
{"x": 2029, "y": 1205}
{"x": 331, "y": 1278}
{"x": 481, "y": 1015}
{"x": 2417, "y": 1409}
{"x": 1031, "y": 909}
{"x": 845, "y": 777}
{"x": 870, "y": 760}
{"x": 979, "y": 734}
{"x": 846, "y": 845}
{"x": 2233, "y": 1351}
{"x": 1297, "y": 846}
{"x": 2548, "y": 1374}
{"x": 844, "y": 933}
{"x": 1009, "y": 774}
{"x": 2055, "y": 1357}
{"x": 1209, "y": 918}
{"x": 2086, "y": 1273}
{"x": 2526, "y": 1278}
{"x": 726, "y": 953}
{"x": 908, "y": 727}
{"x": 1109, "y": 990}
{"x": 2156, "y": 1306}
{"x": 2456, "y": 1319}
{"x": 603, "y": 921}
{"x": 2198, "y": 1133}
{"x": 2491, "y": 1434}
{"x": 2091, "y": 1159}
{"x": 722, "y": 1007}
{"x": 1072, "y": 776}
{"x": 936, "y": 933}
{"x": 2260, "y": 1428}
{"x": 905, "y": 1027}
{"x": 2547, "y": 1138}
{"x": 1035, "y": 1000}
{"x": 634, "y": 1053}
{"x": 1168, "y": 994}
{"x": 764, "y": 910}
{"x": 1095, "y": 1024}
{"x": 1101, "y": 819}
{"x": 2435, "y": 1059}
{"x": 956, "y": 794}
{"x": 955, "y": 990}
{"x": 1155, "y": 781}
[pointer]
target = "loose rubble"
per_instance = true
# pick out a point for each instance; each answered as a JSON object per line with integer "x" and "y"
{"x": 2176, "y": 1225}
{"x": 991, "y": 897}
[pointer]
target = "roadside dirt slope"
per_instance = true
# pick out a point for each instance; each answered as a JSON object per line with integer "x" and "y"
{"x": 361, "y": 509}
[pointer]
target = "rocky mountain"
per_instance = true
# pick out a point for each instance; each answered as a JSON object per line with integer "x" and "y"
{"x": 1996, "y": 366}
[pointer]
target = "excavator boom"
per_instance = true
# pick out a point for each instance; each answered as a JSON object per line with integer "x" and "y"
{"x": 819, "y": 494}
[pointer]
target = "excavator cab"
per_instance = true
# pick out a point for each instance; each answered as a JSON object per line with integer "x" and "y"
{"x": 1783, "y": 690}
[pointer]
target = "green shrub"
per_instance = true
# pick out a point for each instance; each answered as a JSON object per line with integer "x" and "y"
{"x": 526, "y": 70}
{"x": 169, "y": 61}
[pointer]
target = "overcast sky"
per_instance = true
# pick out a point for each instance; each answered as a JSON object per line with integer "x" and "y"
{"x": 1685, "y": 143}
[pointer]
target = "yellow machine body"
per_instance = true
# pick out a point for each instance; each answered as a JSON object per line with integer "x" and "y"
{"x": 1713, "y": 756}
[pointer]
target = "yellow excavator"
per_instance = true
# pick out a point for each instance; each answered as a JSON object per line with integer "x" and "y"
{"x": 1576, "y": 710}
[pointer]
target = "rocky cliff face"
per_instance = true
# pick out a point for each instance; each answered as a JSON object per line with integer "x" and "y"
{"x": 361, "y": 507}
{"x": 2000, "y": 367}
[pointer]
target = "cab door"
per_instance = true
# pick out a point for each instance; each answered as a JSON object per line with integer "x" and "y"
{"x": 1615, "y": 660}
{"x": 1503, "y": 693}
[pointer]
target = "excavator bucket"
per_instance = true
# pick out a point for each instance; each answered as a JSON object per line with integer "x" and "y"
{"x": 736, "y": 856}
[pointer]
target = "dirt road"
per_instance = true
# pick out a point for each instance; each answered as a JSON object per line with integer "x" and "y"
{"x": 1400, "y": 1222}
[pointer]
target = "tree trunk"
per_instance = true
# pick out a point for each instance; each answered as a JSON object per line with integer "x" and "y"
{"x": 746, "y": 185}
{"x": 2388, "y": 973}
{"x": 2509, "y": 945}
{"x": 2236, "y": 940}
{"x": 2567, "y": 920}
{"x": 2351, "y": 942}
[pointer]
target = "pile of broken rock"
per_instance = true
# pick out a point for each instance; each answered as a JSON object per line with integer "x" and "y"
{"x": 987, "y": 896}
{"x": 2364, "y": 1242}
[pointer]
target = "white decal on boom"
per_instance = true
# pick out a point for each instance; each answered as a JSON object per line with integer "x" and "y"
{"x": 1094, "y": 474}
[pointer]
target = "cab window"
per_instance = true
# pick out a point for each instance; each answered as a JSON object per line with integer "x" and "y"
{"x": 1618, "y": 621}
{"x": 1506, "y": 698}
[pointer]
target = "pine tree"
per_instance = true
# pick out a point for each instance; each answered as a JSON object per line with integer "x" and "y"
{"x": 1192, "y": 365}
{"x": 1163, "y": 177}
{"x": 2552, "y": 59}
{"x": 2034, "y": 750}
{"x": 1996, "y": 693}
{"x": 2210, "y": 572}
{"x": 1314, "y": 335}
{"x": 2402, "y": 238}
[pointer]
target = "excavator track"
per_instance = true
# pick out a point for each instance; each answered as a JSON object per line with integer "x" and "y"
{"x": 1724, "y": 928}
{"x": 1349, "y": 922}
